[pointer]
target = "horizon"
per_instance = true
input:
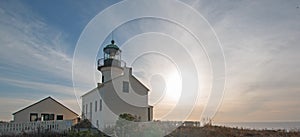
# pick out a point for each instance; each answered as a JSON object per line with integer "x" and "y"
{"x": 258, "y": 53}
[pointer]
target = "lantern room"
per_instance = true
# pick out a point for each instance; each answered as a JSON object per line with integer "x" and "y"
{"x": 112, "y": 55}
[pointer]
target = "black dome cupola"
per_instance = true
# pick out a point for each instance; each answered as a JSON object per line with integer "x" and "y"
{"x": 111, "y": 49}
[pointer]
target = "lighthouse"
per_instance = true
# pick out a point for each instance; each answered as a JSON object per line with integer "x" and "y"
{"x": 118, "y": 92}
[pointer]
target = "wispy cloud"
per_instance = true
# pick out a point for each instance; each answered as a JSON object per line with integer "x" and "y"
{"x": 42, "y": 86}
{"x": 30, "y": 43}
{"x": 260, "y": 44}
{"x": 33, "y": 54}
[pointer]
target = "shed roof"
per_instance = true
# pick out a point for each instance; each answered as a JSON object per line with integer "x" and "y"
{"x": 44, "y": 100}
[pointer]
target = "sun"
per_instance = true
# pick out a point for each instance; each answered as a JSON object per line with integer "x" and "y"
{"x": 173, "y": 86}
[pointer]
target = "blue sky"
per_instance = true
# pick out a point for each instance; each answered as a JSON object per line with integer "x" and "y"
{"x": 38, "y": 45}
{"x": 259, "y": 39}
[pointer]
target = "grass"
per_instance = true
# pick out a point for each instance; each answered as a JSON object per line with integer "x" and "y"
{"x": 219, "y": 131}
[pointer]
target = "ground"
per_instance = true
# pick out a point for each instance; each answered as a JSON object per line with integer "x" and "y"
{"x": 206, "y": 131}
{"x": 217, "y": 131}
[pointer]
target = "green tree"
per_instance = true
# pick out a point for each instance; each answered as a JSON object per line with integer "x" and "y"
{"x": 128, "y": 117}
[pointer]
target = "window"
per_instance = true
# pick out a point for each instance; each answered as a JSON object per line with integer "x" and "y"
{"x": 149, "y": 114}
{"x": 86, "y": 110}
{"x": 59, "y": 117}
{"x": 91, "y": 110}
{"x": 33, "y": 116}
{"x": 51, "y": 116}
{"x": 83, "y": 110}
{"x": 100, "y": 104}
{"x": 45, "y": 117}
{"x": 96, "y": 105}
{"x": 125, "y": 86}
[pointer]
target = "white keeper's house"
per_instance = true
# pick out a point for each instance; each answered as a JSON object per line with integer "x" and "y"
{"x": 119, "y": 92}
{"x": 46, "y": 115}
{"x": 47, "y": 109}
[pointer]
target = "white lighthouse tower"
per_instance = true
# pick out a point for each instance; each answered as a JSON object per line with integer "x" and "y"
{"x": 120, "y": 92}
{"x": 110, "y": 65}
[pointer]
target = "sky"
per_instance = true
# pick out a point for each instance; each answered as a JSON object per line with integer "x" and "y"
{"x": 259, "y": 40}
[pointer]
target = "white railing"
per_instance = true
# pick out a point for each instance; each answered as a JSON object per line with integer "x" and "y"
{"x": 35, "y": 127}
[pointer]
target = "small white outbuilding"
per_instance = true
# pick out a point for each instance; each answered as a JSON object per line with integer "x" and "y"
{"x": 47, "y": 109}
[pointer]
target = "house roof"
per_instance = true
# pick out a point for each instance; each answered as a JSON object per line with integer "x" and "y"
{"x": 102, "y": 84}
{"x": 140, "y": 83}
{"x": 44, "y": 100}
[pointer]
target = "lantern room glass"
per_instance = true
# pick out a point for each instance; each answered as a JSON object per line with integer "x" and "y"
{"x": 112, "y": 54}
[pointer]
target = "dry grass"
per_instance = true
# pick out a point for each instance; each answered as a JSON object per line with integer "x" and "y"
{"x": 217, "y": 131}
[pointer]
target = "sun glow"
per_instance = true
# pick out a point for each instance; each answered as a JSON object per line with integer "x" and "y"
{"x": 173, "y": 86}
